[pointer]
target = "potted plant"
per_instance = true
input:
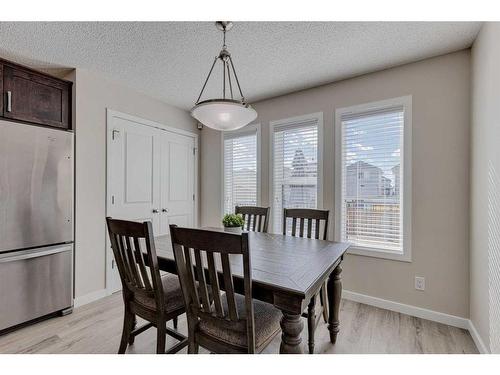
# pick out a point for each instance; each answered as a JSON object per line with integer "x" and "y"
{"x": 233, "y": 222}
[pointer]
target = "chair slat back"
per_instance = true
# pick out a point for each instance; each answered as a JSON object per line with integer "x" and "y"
{"x": 309, "y": 218}
{"x": 256, "y": 218}
{"x": 204, "y": 268}
{"x": 129, "y": 240}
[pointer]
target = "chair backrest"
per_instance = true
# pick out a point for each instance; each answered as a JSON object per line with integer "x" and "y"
{"x": 204, "y": 256}
{"x": 310, "y": 215}
{"x": 256, "y": 218}
{"x": 129, "y": 240}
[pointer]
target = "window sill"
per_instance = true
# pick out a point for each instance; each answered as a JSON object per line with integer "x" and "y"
{"x": 379, "y": 253}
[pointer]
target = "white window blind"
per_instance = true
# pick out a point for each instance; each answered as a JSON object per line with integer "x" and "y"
{"x": 240, "y": 170}
{"x": 295, "y": 168}
{"x": 371, "y": 174}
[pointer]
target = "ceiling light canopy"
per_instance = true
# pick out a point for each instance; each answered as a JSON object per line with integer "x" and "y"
{"x": 224, "y": 113}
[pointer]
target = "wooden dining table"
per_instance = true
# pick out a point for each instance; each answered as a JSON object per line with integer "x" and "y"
{"x": 286, "y": 272}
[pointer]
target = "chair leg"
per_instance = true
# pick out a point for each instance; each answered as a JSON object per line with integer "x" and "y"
{"x": 131, "y": 337}
{"x": 192, "y": 347}
{"x": 311, "y": 323}
{"x": 324, "y": 303}
{"x": 161, "y": 337}
{"x": 175, "y": 322}
{"x": 192, "y": 344}
{"x": 128, "y": 325}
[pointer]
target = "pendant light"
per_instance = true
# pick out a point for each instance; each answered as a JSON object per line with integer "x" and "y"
{"x": 224, "y": 113}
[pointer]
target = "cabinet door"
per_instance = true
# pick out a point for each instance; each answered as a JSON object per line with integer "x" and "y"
{"x": 36, "y": 98}
{"x": 1, "y": 88}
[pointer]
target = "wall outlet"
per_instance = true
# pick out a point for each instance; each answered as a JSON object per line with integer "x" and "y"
{"x": 419, "y": 283}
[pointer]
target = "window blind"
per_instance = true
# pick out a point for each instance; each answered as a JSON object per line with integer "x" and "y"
{"x": 295, "y": 168}
{"x": 372, "y": 171}
{"x": 240, "y": 170}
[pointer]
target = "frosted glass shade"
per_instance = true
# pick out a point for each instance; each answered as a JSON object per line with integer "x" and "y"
{"x": 223, "y": 114}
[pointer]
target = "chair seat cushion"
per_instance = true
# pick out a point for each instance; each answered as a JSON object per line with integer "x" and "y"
{"x": 173, "y": 299}
{"x": 267, "y": 324}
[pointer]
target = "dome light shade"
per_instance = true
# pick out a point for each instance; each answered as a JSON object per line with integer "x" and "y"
{"x": 223, "y": 114}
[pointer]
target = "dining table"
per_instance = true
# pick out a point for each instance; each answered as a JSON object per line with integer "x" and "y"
{"x": 287, "y": 272}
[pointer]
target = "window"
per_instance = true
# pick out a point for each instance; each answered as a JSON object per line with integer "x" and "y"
{"x": 240, "y": 161}
{"x": 296, "y": 165}
{"x": 373, "y": 172}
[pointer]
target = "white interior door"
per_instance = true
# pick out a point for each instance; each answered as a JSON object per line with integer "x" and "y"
{"x": 133, "y": 179}
{"x": 177, "y": 181}
{"x": 151, "y": 177}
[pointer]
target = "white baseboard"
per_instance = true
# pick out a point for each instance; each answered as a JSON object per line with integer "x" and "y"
{"x": 483, "y": 349}
{"x": 90, "y": 297}
{"x": 418, "y": 312}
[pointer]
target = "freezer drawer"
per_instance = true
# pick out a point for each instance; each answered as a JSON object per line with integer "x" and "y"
{"x": 34, "y": 283}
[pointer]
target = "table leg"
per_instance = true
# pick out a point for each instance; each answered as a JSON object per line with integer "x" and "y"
{"x": 311, "y": 323}
{"x": 334, "y": 291}
{"x": 291, "y": 327}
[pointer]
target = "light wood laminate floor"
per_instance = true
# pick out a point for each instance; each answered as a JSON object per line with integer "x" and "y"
{"x": 96, "y": 328}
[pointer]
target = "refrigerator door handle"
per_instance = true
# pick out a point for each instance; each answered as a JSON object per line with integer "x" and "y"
{"x": 36, "y": 253}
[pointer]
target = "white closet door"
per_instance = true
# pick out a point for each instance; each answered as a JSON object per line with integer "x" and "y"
{"x": 133, "y": 191}
{"x": 134, "y": 169}
{"x": 177, "y": 181}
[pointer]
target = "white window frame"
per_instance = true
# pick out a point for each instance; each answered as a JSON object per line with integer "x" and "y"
{"x": 243, "y": 131}
{"x": 291, "y": 121}
{"x": 406, "y": 180}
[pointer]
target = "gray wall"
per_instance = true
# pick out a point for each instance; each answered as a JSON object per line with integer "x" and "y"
{"x": 93, "y": 95}
{"x": 440, "y": 87}
{"x": 485, "y": 187}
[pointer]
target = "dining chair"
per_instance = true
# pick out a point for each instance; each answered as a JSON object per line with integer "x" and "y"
{"x": 233, "y": 323}
{"x": 256, "y": 218}
{"x": 314, "y": 220}
{"x": 155, "y": 298}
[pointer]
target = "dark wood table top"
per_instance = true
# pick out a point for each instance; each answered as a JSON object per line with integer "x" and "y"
{"x": 290, "y": 265}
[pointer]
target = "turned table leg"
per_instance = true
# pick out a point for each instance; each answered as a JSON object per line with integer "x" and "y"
{"x": 291, "y": 326}
{"x": 334, "y": 291}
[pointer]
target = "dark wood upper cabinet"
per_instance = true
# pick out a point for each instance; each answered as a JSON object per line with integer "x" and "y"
{"x": 1, "y": 88}
{"x": 34, "y": 97}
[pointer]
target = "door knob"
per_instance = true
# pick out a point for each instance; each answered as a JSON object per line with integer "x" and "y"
{"x": 164, "y": 210}
{"x": 155, "y": 211}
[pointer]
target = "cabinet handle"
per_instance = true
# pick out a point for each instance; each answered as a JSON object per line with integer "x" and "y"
{"x": 9, "y": 101}
{"x": 164, "y": 210}
{"x": 155, "y": 211}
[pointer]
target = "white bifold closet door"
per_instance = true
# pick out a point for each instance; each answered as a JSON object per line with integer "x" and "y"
{"x": 151, "y": 176}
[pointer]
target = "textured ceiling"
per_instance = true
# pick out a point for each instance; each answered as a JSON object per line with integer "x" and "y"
{"x": 170, "y": 60}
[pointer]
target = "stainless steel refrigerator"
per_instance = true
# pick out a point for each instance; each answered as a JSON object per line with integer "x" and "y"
{"x": 36, "y": 222}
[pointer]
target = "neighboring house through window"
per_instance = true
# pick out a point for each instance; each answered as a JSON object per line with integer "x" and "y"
{"x": 296, "y": 165}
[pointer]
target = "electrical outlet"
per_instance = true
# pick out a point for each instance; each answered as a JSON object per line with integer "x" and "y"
{"x": 419, "y": 283}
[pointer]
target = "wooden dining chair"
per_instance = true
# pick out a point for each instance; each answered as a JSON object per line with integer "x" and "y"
{"x": 310, "y": 220}
{"x": 146, "y": 293}
{"x": 256, "y": 218}
{"x": 233, "y": 323}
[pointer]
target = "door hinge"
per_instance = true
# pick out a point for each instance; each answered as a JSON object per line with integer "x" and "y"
{"x": 112, "y": 199}
{"x": 193, "y": 196}
{"x": 194, "y": 151}
{"x": 113, "y": 133}
{"x": 112, "y": 263}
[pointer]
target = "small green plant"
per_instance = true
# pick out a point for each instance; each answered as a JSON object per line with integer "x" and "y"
{"x": 233, "y": 220}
